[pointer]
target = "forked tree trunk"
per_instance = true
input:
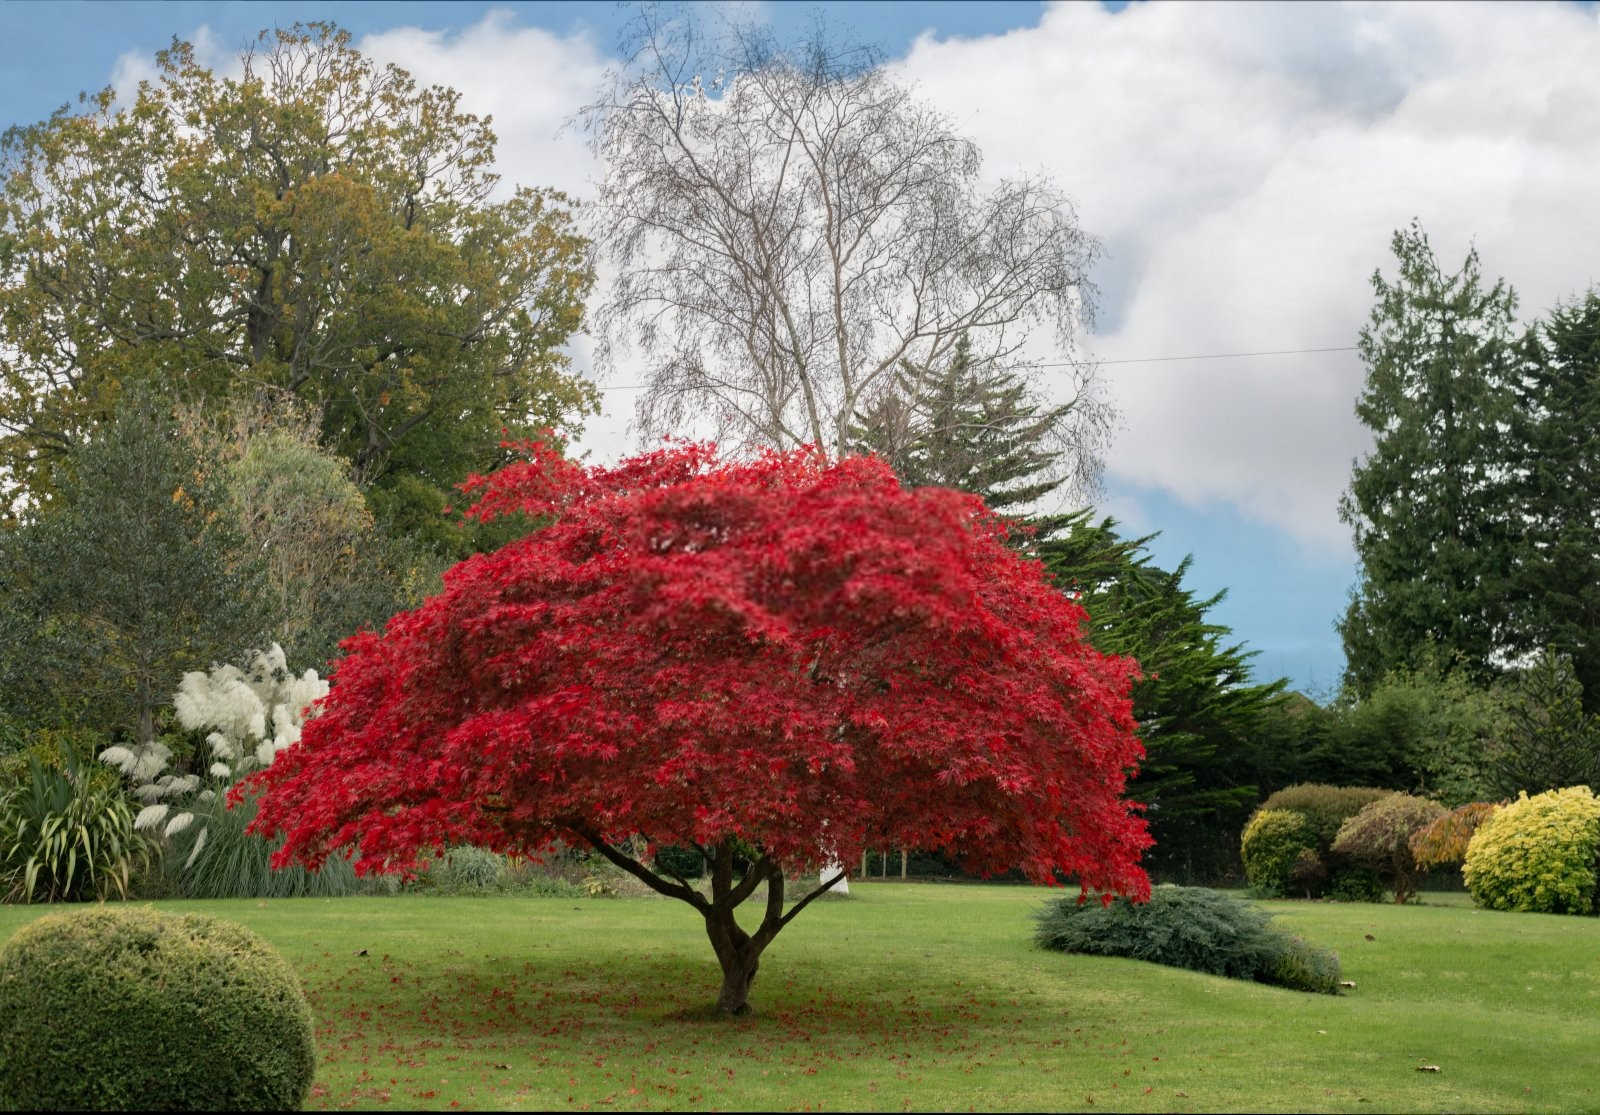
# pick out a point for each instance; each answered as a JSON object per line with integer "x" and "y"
{"x": 739, "y": 962}
{"x": 738, "y": 952}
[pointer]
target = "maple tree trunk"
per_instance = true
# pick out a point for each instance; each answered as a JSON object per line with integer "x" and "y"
{"x": 738, "y": 952}
{"x": 739, "y": 956}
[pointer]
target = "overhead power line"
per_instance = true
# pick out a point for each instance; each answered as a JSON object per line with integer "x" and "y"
{"x": 1212, "y": 356}
{"x": 1124, "y": 360}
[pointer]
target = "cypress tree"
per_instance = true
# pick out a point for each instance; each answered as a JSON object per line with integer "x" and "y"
{"x": 1206, "y": 727}
{"x": 968, "y": 426}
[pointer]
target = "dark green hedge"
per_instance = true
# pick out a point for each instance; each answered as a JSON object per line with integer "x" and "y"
{"x": 124, "y": 1008}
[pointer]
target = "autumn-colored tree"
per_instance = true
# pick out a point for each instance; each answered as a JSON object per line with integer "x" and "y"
{"x": 784, "y": 657}
{"x": 1443, "y": 841}
{"x": 318, "y": 223}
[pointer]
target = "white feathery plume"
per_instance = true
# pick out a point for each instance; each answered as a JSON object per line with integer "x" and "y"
{"x": 149, "y": 817}
{"x": 199, "y": 842}
{"x": 119, "y": 757}
{"x": 178, "y": 823}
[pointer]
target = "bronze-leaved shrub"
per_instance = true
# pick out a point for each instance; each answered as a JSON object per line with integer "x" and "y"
{"x": 1537, "y": 854}
{"x": 1443, "y": 842}
{"x": 1379, "y": 837}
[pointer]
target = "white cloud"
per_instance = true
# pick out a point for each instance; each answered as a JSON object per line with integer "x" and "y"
{"x": 133, "y": 67}
{"x": 1245, "y": 166}
{"x": 529, "y": 80}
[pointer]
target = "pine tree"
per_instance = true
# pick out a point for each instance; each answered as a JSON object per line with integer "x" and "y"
{"x": 1556, "y": 435}
{"x": 1430, "y": 505}
{"x": 1206, "y": 727}
{"x": 1548, "y": 742}
{"x": 975, "y": 428}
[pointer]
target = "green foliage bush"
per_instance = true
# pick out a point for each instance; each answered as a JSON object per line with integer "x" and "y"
{"x": 1355, "y": 884}
{"x": 1273, "y": 847}
{"x": 685, "y": 863}
{"x": 1325, "y": 808}
{"x": 66, "y": 833}
{"x": 1379, "y": 837}
{"x": 1537, "y": 854}
{"x": 1189, "y": 927}
{"x": 126, "y": 1009}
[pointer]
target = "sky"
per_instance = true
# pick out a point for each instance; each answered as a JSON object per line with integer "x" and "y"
{"x": 1243, "y": 165}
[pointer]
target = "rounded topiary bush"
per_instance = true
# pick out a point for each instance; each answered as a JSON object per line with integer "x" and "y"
{"x": 1271, "y": 848}
{"x": 1537, "y": 854}
{"x": 123, "y": 1009}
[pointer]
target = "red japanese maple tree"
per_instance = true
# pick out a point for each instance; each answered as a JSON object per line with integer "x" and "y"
{"x": 795, "y": 656}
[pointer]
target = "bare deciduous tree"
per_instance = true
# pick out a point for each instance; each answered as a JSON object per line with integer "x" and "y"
{"x": 790, "y": 227}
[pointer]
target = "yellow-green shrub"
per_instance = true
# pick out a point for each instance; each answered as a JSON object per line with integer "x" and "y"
{"x": 1270, "y": 847}
{"x": 126, "y": 1009}
{"x": 1325, "y": 808}
{"x": 1537, "y": 854}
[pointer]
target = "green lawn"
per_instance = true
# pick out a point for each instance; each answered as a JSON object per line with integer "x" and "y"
{"x": 924, "y": 997}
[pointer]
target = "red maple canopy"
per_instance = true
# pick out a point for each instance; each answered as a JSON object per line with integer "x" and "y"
{"x": 798, "y": 656}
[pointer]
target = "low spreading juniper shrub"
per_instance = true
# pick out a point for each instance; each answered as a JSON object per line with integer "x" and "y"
{"x": 128, "y": 1009}
{"x": 1190, "y": 927}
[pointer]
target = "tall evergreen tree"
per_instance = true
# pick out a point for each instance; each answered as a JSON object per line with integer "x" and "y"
{"x": 976, "y": 428}
{"x": 1430, "y": 505}
{"x": 1556, "y": 434}
{"x": 131, "y": 577}
{"x": 1207, "y": 729}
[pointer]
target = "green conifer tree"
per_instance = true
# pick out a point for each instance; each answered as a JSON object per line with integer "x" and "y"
{"x": 129, "y": 578}
{"x": 1207, "y": 728}
{"x": 1555, "y": 582}
{"x": 975, "y": 428}
{"x": 1430, "y": 505}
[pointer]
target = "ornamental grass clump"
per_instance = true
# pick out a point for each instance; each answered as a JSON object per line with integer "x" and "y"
{"x": 127, "y": 1009}
{"x": 1538, "y": 854}
{"x": 251, "y": 715}
{"x": 1194, "y": 928}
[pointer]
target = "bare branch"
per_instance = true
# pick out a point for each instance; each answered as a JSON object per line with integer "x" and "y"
{"x": 789, "y": 227}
